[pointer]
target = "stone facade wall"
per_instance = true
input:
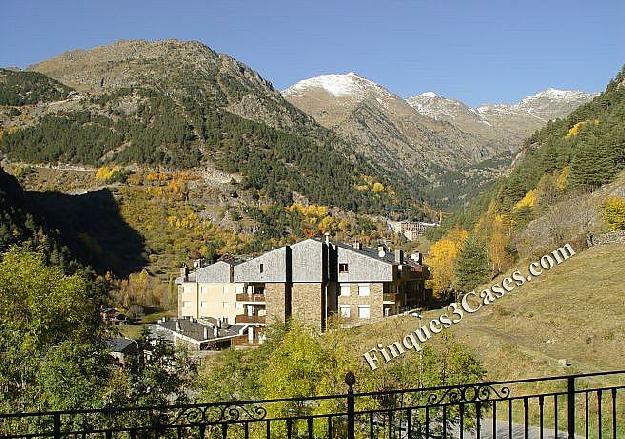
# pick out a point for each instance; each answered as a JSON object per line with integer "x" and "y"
{"x": 307, "y": 303}
{"x": 617, "y": 237}
{"x": 276, "y": 302}
{"x": 375, "y": 300}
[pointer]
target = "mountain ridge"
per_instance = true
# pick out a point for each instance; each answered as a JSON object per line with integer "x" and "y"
{"x": 181, "y": 104}
{"x": 377, "y": 119}
{"x": 432, "y": 140}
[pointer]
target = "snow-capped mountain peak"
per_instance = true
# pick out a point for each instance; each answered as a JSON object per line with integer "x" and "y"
{"x": 348, "y": 84}
{"x": 437, "y": 107}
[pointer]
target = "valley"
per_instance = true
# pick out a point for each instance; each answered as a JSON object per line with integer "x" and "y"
{"x": 151, "y": 181}
{"x": 445, "y": 148}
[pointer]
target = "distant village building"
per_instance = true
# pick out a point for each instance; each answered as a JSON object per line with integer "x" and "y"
{"x": 113, "y": 316}
{"x": 309, "y": 281}
{"x": 411, "y": 229}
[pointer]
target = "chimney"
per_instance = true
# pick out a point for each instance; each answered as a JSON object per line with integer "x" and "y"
{"x": 399, "y": 256}
{"x": 357, "y": 245}
{"x": 184, "y": 272}
{"x": 198, "y": 263}
{"x": 205, "y": 332}
{"x": 327, "y": 237}
{"x": 417, "y": 257}
{"x": 381, "y": 251}
{"x": 215, "y": 331}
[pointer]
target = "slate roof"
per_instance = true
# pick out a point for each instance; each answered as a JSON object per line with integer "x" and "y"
{"x": 389, "y": 257}
{"x": 195, "y": 330}
{"x": 122, "y": 345}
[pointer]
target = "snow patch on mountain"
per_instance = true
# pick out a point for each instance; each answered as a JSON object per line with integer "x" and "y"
{"x": 438, "y": 107}
{"x": 542, "y": 105}
{"x": 349, "y": 84}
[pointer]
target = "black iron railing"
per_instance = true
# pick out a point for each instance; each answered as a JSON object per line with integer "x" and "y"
{"x": 587, "y": 405}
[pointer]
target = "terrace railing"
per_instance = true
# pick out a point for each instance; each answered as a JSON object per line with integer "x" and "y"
{"x": 260, "y": 298}
{"x": 571, "y": 406}
{"x": 244, "y": 318}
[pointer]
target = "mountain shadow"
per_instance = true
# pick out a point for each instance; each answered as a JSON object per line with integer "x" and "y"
{"x": 92, "y": 227}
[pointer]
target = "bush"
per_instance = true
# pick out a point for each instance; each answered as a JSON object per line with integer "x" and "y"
{"x": 614, "y": 211}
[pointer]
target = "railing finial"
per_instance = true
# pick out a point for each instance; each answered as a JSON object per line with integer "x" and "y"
{"x": 350, "y": 379}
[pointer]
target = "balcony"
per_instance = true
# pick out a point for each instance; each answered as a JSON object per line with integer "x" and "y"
{"x": 243, "y": 340}
{"x": 252, "y": 298}
{"x": 250, "y": 319}
{"x": 390, "y": 298}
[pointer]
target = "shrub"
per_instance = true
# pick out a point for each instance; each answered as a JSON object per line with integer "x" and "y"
{"x": 614, "y": 211}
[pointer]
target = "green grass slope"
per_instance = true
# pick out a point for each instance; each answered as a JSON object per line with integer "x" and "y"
{"x": 575, "y": 311}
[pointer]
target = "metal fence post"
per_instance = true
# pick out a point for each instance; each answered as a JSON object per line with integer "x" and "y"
{"x": 350, "y": 380}
{"x": 570, "y": 406}
{"x": 57, "y": 425}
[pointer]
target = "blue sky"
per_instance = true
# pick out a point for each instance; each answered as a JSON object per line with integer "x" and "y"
{"x": 477, "y": 51}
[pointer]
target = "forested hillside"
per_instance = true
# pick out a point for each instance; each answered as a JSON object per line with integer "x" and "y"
{"x": 580, "y": 153}
{"x": 587, "y": 149}
{"x": 21, "y": 88}
{"x": 180, "y": 105}
{"x": 20, "y": 226}
{"x": 562, "y": 188}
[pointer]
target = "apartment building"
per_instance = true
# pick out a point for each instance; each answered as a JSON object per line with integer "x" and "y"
{"x": 307, "y": 281}
{"x": 410, "y": 229}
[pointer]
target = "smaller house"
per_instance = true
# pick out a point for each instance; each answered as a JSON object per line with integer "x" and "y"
{"x": 121, "y": 347}
{"x": 207, "y": 333}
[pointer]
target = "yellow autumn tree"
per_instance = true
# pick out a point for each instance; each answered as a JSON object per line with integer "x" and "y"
{"x": 497, "y": 243}
{"x": 442, "y": 259}
{"x": 575, "y": 129}
{"x": 105, "y": 173}
{"x": 377, "y": 187}
{"x": 562, "y": 178}
{"x": 614, "y": 211}
{"x": 529, "y": 200}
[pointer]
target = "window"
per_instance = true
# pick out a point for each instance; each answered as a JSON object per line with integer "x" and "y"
{"x": 364, "y": 289}
{"x": 343, "y": 268}
{"x": 364, "y": 312}
{"x": 203, "y": 304}
{"x": 186, "y": 304}
{"x": 346, "y": 311}
{"x": 261, "y": 267}
{"x": 345, "y": 289}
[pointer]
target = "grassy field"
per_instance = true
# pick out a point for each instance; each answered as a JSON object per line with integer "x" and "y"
{"x": 573, "y": 312}
{"x": 134, "y": 331}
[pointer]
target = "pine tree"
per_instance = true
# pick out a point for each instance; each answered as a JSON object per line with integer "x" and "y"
{"x": 473, "y": 265}
{"x": 593, "y": 164}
